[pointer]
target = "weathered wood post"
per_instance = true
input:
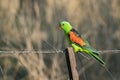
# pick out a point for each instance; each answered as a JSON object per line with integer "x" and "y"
{"x": 71, "y": 64}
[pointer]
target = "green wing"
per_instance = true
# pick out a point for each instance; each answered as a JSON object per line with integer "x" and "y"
{"x": 87, "y": 44}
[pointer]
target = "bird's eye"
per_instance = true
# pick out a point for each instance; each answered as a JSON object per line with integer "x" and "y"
{"x": 63, "y": 24}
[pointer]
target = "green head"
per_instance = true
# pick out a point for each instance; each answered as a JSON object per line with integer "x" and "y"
{"x": 65, "y": 26}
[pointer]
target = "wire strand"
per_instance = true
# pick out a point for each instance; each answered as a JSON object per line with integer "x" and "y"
{"x": 108, "y": 51}
{"x": 49, "y": 51}
{"x": 32, "y": 52}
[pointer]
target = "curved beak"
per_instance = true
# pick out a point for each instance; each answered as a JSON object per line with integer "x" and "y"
{"x": 59, "y": 28}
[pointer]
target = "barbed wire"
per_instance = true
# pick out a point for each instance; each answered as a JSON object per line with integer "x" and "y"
{"x": 49, "y": 51}
{"x": 31, "y": 51}
{"x": 109, "y": 51}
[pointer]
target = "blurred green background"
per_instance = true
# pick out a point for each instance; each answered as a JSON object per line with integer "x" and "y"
{"x": 33, "y": 25}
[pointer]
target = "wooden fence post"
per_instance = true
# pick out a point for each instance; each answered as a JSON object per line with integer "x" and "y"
{"x": 71, "y": 64}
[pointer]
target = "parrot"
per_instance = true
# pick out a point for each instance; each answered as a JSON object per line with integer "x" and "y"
{"x": 78, "y": 42}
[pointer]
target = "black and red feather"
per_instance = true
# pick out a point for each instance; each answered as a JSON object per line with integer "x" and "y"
{"x": 75, "y": 37}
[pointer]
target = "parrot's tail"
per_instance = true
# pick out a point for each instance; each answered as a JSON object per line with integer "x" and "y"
{"x": 96, "y": 57}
